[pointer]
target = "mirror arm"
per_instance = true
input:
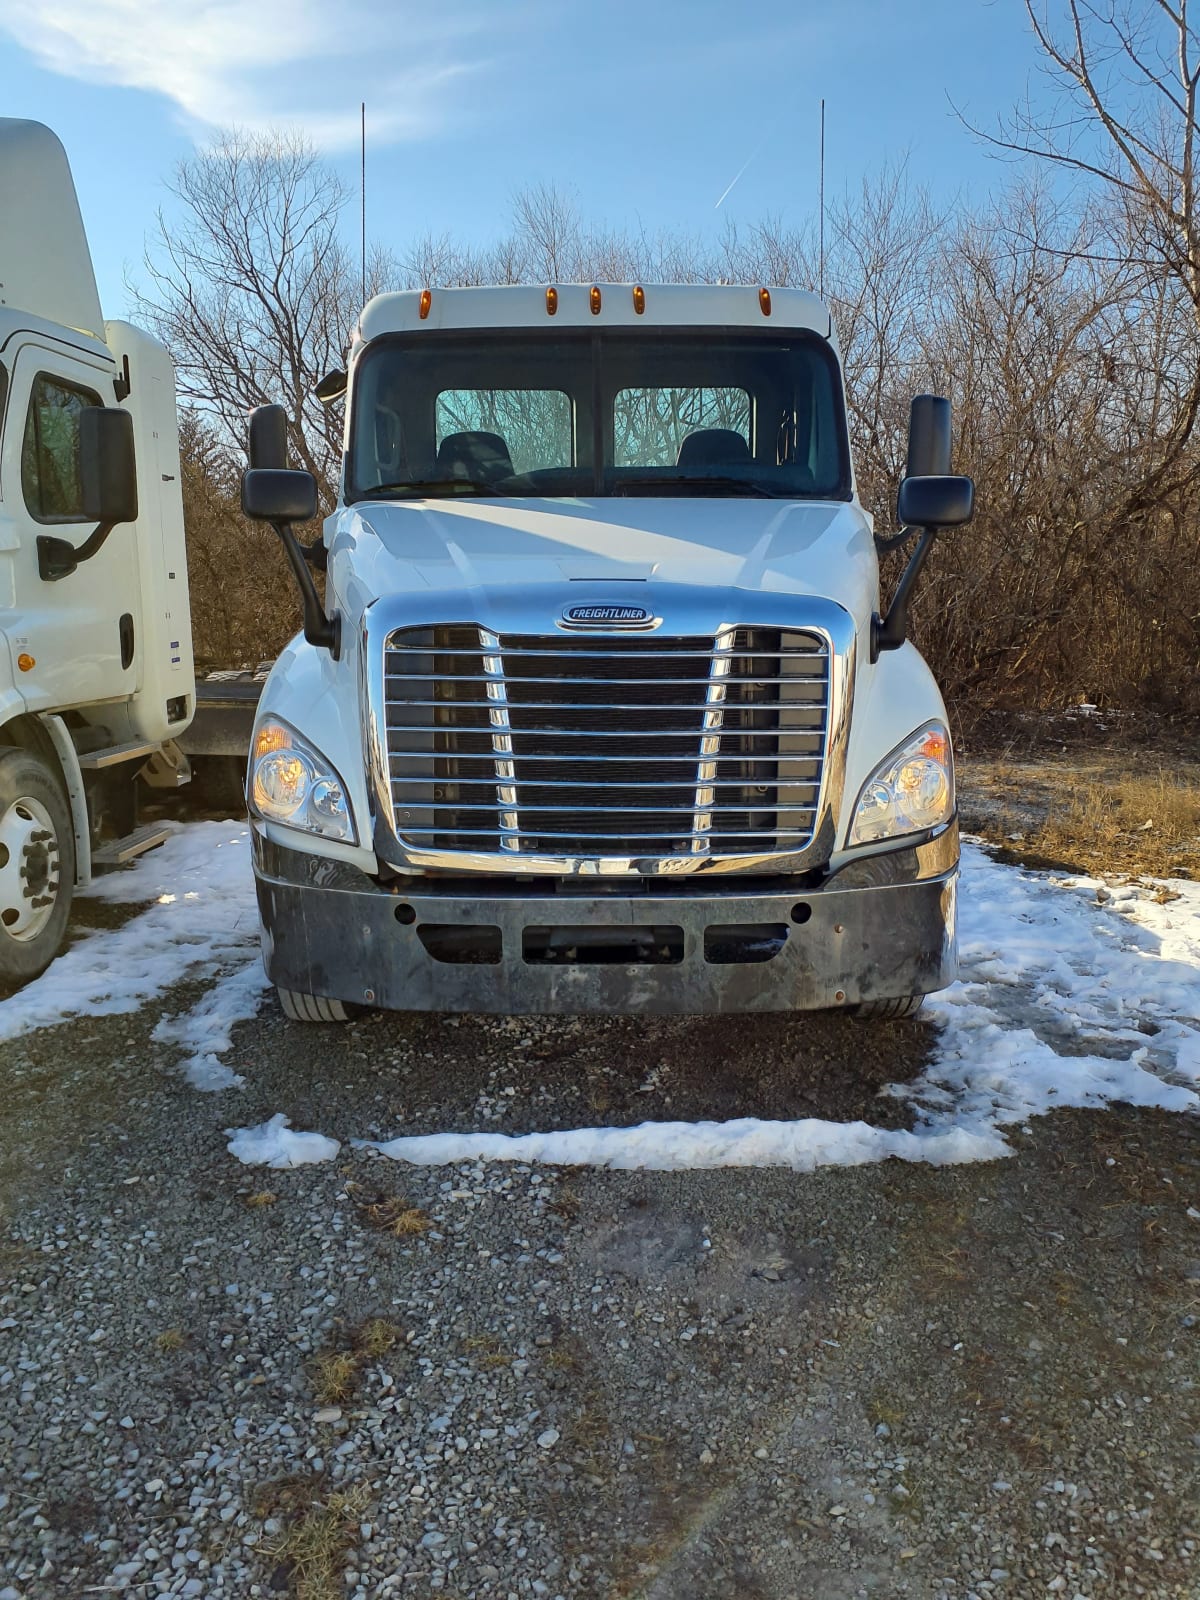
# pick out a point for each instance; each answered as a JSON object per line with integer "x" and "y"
{"x": 323, "y": 631}
{"x": 316, "y": 554}
{"x": 890, "y": 632}
{"x": 58, "y": 558}
{"x": 883, "y": 546}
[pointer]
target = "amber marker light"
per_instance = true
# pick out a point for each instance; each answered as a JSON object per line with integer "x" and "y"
{"x": 271, "y": 737}
{"x": 594, "y": 300}
{"x": 936, "y": 746}
{"x": 426, "y": 302}
{"x": 551, "y": 302}
{"x": 764, "y": 302}
{"x": 639, "y": 300}
{"x": 26, "y": 662}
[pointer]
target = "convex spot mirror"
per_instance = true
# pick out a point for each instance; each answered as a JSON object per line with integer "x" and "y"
{"x": 107, "y": 466}
{"x": 942, "y": 502}
{"x": 331, "y": 387}
{"x": 277, "y": 494}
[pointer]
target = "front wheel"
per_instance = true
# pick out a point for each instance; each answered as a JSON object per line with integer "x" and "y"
{"x": 37, "y": 865}
{"x": 888, "y": 1010}
{"x": 311, "y": 1007}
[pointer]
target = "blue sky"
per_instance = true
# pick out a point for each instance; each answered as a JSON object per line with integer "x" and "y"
{"x": 644, "y": 110}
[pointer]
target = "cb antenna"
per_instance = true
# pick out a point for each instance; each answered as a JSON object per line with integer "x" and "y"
{"x": 364, "y": 200}
{"x": 821, "y": 207}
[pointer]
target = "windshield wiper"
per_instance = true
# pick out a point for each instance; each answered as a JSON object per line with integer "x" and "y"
{"x": 740, "y": 485}
{"x": 432, "y": 486}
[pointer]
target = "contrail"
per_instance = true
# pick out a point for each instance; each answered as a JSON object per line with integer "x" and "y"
{"x": 740, "y": 171}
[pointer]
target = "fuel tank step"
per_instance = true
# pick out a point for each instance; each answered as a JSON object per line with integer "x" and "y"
{"x": 118, "y": 851}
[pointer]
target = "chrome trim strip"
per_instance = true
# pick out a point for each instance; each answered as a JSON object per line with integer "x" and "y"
{"x": 506, "y": 772}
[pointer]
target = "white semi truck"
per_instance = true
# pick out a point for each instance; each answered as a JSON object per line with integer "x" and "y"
{"x": 601, "y": 710}
{"x": 96, "y": 676}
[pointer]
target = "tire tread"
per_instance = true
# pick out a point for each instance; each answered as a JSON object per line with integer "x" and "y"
{"x": 299, "y": 1007}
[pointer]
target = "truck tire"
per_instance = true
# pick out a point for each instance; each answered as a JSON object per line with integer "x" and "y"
{"x": 311, "y": 1007}
{"x": 37, "y": 865}
{"x": 888, "y": 1010}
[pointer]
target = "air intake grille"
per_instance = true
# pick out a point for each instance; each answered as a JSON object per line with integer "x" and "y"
{"x": 603, "y": 746}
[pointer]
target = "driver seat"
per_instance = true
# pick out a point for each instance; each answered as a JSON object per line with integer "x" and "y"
{"x": 480, "y": 456}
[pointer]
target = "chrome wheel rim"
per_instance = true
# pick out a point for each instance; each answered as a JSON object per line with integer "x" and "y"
{"x": 29, "y": 869}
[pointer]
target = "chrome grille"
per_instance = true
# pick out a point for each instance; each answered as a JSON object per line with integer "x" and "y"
{"x": 606, "y": 746}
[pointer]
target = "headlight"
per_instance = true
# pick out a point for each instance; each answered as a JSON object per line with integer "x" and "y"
{"x": 909, "y": 792}
{"x": 292, "y": 783}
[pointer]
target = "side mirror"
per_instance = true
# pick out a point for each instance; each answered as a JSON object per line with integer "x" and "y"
{"x": 107, "y": 468}
{"x": 107, "y": 490}
{"x": 275, "y": 494}
{"x": 266, "y": 444}
{"x": 936, "y": 502}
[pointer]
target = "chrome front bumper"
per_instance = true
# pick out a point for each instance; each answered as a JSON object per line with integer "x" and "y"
{"x": 883, "y": 928}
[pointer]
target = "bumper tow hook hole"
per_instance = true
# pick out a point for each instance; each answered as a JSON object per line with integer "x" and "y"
{"x": 801, "y": 912}
{"x": 741, "y": 943}
{"x": 406, "y": 915}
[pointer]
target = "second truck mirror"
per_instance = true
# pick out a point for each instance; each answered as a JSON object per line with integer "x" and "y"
{"x": 107, "y": 469}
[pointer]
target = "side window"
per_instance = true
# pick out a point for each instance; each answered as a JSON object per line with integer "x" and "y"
{"x": 50, "y": 451}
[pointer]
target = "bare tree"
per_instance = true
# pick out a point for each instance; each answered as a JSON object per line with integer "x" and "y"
{"x": 253, "y": 290}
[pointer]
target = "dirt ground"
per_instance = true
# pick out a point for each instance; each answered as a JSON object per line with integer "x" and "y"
{"x": 885, "y": 1380}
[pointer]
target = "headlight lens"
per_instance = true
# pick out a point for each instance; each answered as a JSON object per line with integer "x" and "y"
{"x": 909, "y": 792}
{"x": 292, "y": 783}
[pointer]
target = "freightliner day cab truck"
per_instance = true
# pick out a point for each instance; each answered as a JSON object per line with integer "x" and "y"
{"x": 601, "y": 710}
{"x": 96, "y": 677}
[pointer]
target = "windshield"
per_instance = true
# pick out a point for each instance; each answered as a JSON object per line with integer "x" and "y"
{"x": 577, "y": 413}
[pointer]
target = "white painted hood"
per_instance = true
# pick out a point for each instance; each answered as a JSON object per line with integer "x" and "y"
{"x": 605, "y": 550}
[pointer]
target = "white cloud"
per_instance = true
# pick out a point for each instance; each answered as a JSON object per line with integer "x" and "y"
{"x": 276, "y": 62}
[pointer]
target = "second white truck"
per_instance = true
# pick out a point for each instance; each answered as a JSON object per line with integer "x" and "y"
{"x": 96, "y": 678}
{"x": 601, "y": 710}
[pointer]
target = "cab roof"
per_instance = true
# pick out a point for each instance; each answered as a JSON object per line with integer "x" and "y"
{"x": 581, "y": 305}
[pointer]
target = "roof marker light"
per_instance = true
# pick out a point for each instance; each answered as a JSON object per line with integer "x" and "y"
{"x": 639, "y": 300}
{"x": 551, "y": 302}
{"x": 426, "y": 302}
{"x": 764, "y": 302}
{"x": 594, "y": 300}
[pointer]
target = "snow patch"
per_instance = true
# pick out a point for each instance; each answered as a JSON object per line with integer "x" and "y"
{"x": 669, "y": 1146}
{"x": 275, "y": 1144}
{"x": 200, "y": 919}
{"x": 1064, "y": 1000}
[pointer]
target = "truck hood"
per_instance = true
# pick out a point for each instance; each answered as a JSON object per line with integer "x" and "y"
{"x": 606, "y": 550}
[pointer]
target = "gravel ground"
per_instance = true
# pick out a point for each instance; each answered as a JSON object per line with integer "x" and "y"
{"x": 367, "y": 1379}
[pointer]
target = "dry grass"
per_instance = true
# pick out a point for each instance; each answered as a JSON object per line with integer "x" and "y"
{"x": 389, "y": 1213}
{"x": 376, "y": 1337}
{"x": 1095, "y": 819}
{"x": 335, "y": 1376}
{"x": 262, "y": 1197}
{"x": 319, "y": 1534}
{"x": 337, "y": 1373}
{"x": 170, "y": 1340}
{"x": 1135, "y": 824}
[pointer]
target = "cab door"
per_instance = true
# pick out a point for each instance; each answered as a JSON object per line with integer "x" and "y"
{"x": 78, "y": 631}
